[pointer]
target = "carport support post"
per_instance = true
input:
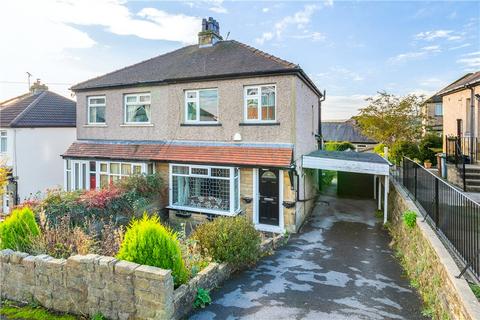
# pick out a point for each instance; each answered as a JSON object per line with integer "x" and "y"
{"x": 385, "y": 201}
{"x": 379, "y": 197}
{"x": 375, "y": 187}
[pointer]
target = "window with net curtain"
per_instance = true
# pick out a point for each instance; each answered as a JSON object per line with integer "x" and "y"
{"x": 207, "y": 188}
{"x": 96, "y": 110}
{"x": 137, "y": 108}
{"x": 260, "y": 103}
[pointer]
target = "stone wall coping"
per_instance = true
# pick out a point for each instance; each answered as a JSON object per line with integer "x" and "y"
{"x": 470, "y": 302}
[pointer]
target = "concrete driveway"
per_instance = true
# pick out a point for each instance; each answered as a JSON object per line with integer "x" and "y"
{"x": 339, "y": 267}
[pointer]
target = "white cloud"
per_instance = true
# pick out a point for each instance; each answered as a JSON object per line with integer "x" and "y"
{"x": 342, "y": 107}
{"x": 265, "y": 9}
{"x": 470, "y": 60}
{"x": 460, "y": 46}
{"x": 314, "y": 36}
{"x": 437, "y": 34}
{"x": 299, "y": 20}
{"x": 44, "y": 35}
{"x": 422, "y": 52}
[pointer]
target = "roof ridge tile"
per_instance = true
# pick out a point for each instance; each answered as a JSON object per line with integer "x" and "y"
{"x": 24, "y": 111}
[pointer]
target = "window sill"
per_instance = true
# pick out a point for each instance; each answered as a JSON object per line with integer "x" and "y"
{"x": 200, "y": 210}
{"x": 93, "y": 125}
{"x": 259, "y": 124}
{"x": 136, "y": 125}
{"x": 200, "y": 124}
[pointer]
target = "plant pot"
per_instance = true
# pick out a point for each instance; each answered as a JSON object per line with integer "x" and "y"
{"x": 427, "y": 165}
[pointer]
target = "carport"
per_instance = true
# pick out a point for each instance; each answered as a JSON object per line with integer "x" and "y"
{"x": 355, "y": 162}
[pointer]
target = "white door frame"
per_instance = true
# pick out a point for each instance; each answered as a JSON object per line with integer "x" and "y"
{"x": 256, "y": 196}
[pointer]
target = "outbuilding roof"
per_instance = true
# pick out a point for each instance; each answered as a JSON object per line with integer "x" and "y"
{"x": 349, "y": 156}
{"x": 343, "y": 131}
{"x": 41, "y": 109}
{"x": 223, "y": 59}
{"x": 171, "y": 152}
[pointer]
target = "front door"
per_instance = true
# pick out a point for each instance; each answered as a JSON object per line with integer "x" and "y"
{"x": 268, "y": 187}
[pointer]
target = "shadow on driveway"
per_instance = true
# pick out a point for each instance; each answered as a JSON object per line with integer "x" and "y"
{"x": 339, "y": 267}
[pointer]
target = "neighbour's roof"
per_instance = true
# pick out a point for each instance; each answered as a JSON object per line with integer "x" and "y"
{"x": 349, "y": 156}
{"x": 41, "y": 109}
{"x": 343, "y": 131}
{"x": 472, "y": 78}
{"x": 201, "y": 154}
{"x": 224, "y": 59}
{"x": 434, "y": 99}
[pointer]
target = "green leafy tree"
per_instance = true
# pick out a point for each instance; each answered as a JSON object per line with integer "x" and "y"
{"x": 339, "y": 146}
{"x": 389, "y": 118}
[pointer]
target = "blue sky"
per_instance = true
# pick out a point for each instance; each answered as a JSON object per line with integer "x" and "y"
{"x": 351, "y": 49}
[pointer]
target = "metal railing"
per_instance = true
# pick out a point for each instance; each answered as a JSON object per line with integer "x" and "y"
{"x": 452, "y": 214}
{"x": 465, "y": 147}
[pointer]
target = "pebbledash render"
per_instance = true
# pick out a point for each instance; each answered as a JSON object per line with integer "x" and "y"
{"x": 223, "y": 123}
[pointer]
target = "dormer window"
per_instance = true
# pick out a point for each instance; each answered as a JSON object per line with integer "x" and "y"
{"x": 137, "y": 108}
{"x": 260, "y": 103}
{"x": 201, "y": 106}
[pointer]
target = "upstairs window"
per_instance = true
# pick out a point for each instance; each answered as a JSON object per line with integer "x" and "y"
{"x": 260, "y": 103}
{"x": 96, "y": 110}
{"x": 137, "y": 108}
{"x": 201, "y": 106}
{"x": 438, "y": 109}
{"x": 3, "y": 141}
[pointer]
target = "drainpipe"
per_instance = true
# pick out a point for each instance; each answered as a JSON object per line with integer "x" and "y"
{"x": 472, "y": 123}
{"x": 319, "y": 134}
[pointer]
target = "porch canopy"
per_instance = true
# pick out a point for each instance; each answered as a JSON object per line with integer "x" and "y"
{"x": 357, "y": 162}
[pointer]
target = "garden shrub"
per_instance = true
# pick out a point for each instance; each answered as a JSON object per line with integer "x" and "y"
{"x": 202, "y": 299}
{"x": 148, "y": 242}
{"x": 409, "y": 217}
{"x": 380, "y": 149}
{"x": 339, "y": 146}
{"x": 19, "y": 230}
{"x": 427, "y": 148}
{"x": 402, "y": 149}
{"x": 229, "y": 239}
{"x": 61, "y": 240}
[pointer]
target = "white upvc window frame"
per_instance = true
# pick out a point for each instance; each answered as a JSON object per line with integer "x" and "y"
{"x": 196, "y": 100}
{"x": 232, "y": 212}
{"x": 3, "y": 141}
{"x": 125, "y": 104}
{"x": 84, "y": 165}
{"x": 435, "y": 113}
{"x": 259, "y": 106}
{"x": 96, "y": 105}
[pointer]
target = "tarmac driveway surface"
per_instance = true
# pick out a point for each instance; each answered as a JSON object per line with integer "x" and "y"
{"x": 339, "y": 267}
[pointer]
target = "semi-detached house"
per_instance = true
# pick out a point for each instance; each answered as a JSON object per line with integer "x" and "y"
{"x": 223, "y": 123}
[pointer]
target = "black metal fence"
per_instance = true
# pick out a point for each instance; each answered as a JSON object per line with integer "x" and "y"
{"x": 451, "y": 213}
{"x": 461, "y": 147}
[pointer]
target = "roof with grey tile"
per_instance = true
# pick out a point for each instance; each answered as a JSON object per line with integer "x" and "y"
{"x": 343, "y": 131}
{"x": 224, "y": 59}
{"x": 42, "y": 109}
{"x": 472, "y": 78}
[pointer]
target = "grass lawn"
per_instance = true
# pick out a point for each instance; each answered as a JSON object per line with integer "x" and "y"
{"x": 476, "y": 290}
{"x": 27, "y": 312}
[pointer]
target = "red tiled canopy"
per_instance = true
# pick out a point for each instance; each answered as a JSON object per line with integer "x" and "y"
{"x": 228, "y": 155}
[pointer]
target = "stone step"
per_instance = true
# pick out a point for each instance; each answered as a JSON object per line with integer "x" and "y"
{"x": 472, "y": 176}
{"x": 472, "y": 170}
{"x": 472, "y": 182}
{"x": 473, "y": 188}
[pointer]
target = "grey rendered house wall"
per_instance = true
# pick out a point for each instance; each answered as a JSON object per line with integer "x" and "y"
{"x": 306, "y": 126}
{"x": 167, "y": 108}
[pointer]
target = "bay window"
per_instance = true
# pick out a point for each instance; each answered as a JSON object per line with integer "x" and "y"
{"x": 96, "y": 109}
{"x": 201, "y": 106}
{"x": 260, "y": 103}
{"x": 205, "y": 189}
{"x": 137, "y": 108}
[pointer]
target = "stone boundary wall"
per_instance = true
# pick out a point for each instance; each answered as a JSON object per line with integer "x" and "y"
{"x": 86, "y": 285}
{"x": 423, "y": 250}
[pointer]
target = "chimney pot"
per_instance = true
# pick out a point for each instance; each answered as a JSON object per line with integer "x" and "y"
{"x": 38, "y": 87}
{"x": 210, "y": 33}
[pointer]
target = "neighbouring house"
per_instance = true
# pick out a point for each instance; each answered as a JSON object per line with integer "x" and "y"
{"x": 346, "y": 130}
{"x": 433, "y": 109}
{"x": 35, "y": 129}
{"x": 223, "y": 123}
{"x": 461, "y": 122}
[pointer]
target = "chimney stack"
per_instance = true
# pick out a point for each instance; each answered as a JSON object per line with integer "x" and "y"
{"x": 38, "y": 87}
{"x": 210, "y": 33}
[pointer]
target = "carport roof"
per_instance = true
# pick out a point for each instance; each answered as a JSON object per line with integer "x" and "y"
{"x": 349, "y": 156}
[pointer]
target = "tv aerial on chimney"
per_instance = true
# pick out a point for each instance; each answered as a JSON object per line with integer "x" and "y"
{"x": 28, "y": 79}
{"x": 228, "y": 33}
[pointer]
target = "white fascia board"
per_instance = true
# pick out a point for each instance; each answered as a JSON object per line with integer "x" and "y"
{"x": 346, "y": 165}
